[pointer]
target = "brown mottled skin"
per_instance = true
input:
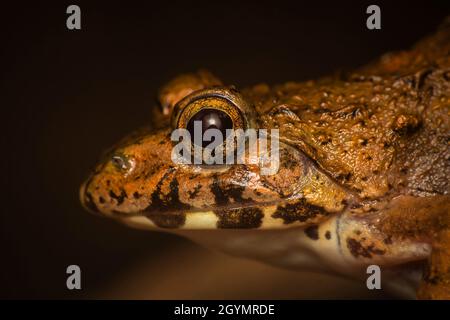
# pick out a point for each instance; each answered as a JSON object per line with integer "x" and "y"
{"x": 370, "y": 146}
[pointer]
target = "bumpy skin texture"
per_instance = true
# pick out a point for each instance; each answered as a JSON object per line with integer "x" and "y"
{"x": 371, "y": 146}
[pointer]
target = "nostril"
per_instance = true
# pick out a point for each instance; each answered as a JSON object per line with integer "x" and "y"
{"x": 118, "y": 162}
{"x": 121, "y": 162}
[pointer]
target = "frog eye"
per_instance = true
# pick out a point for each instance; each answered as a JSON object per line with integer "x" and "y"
{"x": 219, "y": 108}
{"x": 210, "y": 119}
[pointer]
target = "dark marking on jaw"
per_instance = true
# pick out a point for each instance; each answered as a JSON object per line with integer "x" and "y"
{"x": 357, "y": 249}
{"x": 223, "y": 195}
{"x": 173, "y": 196}
{"x": 165, "y": 210}
{"x": 89, "y": 202}
{"x": 136, "y": 195}
{"x": 119, "y": 198}
{"x": 298, "y": 211}
{"x": 244, "y": 218}
{"x": 194, "y": 193}
{"x": 168, "y": 220}
{"x": 169, "y": 201}
{"x": 218, "y": 193}
{"x": 312, "y": 232}
{"x": 155, "y": 197}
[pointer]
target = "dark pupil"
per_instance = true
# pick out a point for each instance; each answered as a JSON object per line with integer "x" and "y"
{"x": 210, "y": 118}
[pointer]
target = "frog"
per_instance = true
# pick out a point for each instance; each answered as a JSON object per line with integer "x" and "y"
{"x": 362, "y": 177}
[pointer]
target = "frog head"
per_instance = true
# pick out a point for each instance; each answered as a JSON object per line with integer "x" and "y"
{"x": 141, "y": 182}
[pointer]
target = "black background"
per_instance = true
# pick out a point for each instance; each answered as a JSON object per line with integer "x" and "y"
{"x": 66, "y": 95}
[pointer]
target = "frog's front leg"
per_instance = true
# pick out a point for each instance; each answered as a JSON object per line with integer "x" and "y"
{"x": 426, "y": 219}
{"x": 436, "y": 280}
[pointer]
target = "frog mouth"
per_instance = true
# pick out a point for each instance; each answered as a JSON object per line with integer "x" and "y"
{"x": 220, "y": 208}
{"x": 155, "y": 212}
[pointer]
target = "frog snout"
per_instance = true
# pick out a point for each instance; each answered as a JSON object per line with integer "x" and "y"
{"x": 86, "y": 198}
